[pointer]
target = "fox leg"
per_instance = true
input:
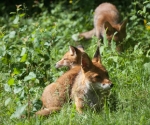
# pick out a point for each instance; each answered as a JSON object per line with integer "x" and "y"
{"x": 88, "y": 35}
{"x": 79, "y": 104}
{"x": 98, "y": 31}
{"x": 47, "y": 111}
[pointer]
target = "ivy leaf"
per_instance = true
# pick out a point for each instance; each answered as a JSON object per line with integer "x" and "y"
{"x": 31, "y": 76}
{"x": 18, "y": 111}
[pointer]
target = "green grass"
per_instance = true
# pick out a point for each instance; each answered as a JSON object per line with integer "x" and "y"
{"x": 29, "y": 49}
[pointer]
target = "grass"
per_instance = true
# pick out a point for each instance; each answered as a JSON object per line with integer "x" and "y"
{"x": 27, "y": 66}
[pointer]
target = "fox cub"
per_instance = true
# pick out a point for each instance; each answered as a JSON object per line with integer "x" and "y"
{"x": 106, "y": 19}
{"x": 71, "y": 58}
{"x": 86, "y": 83}
{"x": 57, "y": 93}
{"x": 91, "y": 85}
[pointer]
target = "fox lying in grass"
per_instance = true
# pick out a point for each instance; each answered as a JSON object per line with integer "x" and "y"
{"x": 89, "y": 81}
{"x": 106, "y": 19}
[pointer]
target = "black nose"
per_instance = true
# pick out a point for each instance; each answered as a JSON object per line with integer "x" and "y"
{"x": 111, "y": 85}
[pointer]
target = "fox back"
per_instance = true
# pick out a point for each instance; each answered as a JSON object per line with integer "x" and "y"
{"x": 106, "y": 19}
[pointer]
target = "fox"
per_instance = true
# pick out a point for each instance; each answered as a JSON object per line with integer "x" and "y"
{"x": 56, "y": 94}
{"x": 71, "y": 58}
{"x": 92, "y": 84}
{"x": 107, "y": 20}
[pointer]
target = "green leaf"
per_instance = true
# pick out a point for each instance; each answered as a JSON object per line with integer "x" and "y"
{"x": 7, "y": 88}
{"x": 18, "y": 111}
{"x": 17, "y": 89}
{"x": 133, "y": 17}
{"x": 75, "y": 37}
{"x": 16, "y": 71}
{"x": 31, "y": 76}
{"x": 144, "y": 9}
{"x": 12, "y": 12}
{"x": 148, "y": 23}
{"x": 24, "y": 58}
{"x": 22, "y": 15}
{"x": 23, "y": 51}
{"x": 12, "y": 34}
{"x": 16, "y": 20}
{"x": 11, "y": 81}
{"x": 7, "y": 101}
{"x": 147, "y": 67}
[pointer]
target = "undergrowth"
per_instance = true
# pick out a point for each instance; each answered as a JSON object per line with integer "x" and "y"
{"x": 30, "y": 47}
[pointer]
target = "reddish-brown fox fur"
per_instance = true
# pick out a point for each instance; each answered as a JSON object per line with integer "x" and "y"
{"x": 71, "y": 58}
{"x": 57, "y": 93}
{"x": 106, "y": 16}
{"x": 89, "y": 81}
{"x": 92, "y": 84}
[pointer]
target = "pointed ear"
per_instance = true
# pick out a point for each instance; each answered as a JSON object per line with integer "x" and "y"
{"x": 109, "y": 29}
{"x": 72, "y": 50}
{"x": 123, "y": 25}
{"x": 97, "y": 56}
{"x": 81, "y": 48}
{"x": 86, "y": 62}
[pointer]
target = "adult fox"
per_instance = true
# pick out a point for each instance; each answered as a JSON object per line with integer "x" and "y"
{"x": 94, "y": 78}
{"x": 106, "y": 19}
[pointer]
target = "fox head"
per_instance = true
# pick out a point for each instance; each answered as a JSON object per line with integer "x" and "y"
{"x": 117, "y": 32}
{"x": 94, "y": 73}
{"x": 71, "y": 58}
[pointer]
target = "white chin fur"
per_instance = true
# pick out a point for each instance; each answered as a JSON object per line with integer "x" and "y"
{"x": 105, "y": 86}
{"x": 97, "y": 86}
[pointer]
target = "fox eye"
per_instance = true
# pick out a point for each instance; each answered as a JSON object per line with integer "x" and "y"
{"x": 65, "y": 58}
{"x": 98, "y": 77}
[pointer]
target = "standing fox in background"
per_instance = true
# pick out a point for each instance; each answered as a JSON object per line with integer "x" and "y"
{"x": 106, "y": 19}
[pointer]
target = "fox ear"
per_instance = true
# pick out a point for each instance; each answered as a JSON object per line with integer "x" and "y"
{"x": 86, "y": 62}
{"x": 123, "y": 25}
{"x": 97, "y": 56}
{"x": 81, "y": 48}
{"x": 109, "y": 29}
{"x": 72, "y": 50}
